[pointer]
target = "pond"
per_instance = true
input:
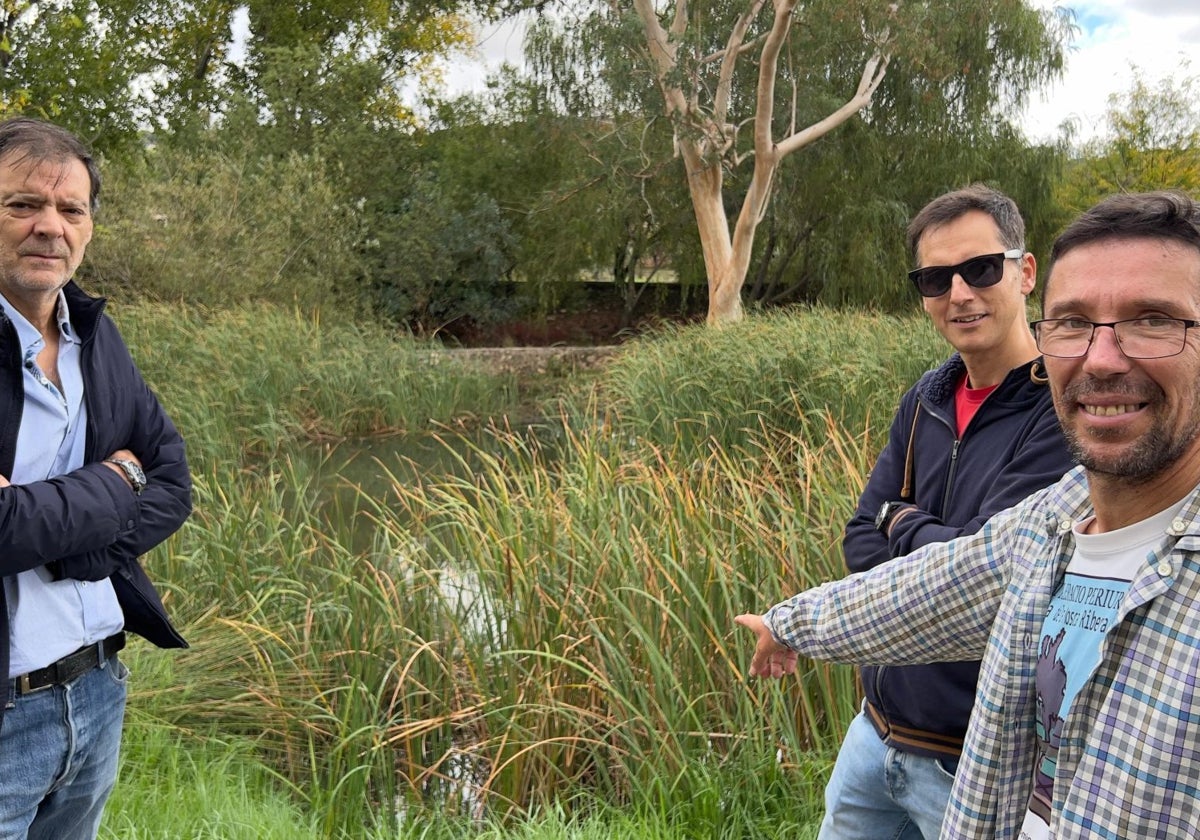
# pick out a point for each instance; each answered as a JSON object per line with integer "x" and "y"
{"x": 338, "y": 476}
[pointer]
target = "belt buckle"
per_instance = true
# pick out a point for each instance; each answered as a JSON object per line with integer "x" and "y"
{"x": 23, "y": 686}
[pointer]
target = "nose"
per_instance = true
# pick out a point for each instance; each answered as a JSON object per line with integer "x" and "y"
{"x": 960, "y": 290}
{"x": 49, "y": 222}
{"x": 1104, "y": 356}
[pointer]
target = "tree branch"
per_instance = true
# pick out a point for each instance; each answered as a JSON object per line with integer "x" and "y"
{"x": 679, "y": 24}
{"x": 872, "y": 76}
{"x": 749, "y": 46}
{"x": 733, "y": 49}
{"x": 766, "y": 156}
{"x": 663, "y": 53}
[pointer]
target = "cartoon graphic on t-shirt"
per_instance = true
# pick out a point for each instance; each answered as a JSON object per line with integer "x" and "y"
{"x": 1082, "y": 609}
{"x": 1052, "y": 687}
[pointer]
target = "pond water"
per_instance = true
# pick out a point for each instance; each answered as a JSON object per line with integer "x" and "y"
{"x": 339, "y": 475}
{"x": 337, "y": 478}
{"x": 371, "y": 464}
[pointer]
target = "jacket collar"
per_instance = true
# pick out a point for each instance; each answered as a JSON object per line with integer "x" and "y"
{"x": 938, "y": 386}
{"x": 85, "y": 310}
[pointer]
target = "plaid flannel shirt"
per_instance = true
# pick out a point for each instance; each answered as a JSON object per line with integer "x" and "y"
{"x": 1129, "y": 760}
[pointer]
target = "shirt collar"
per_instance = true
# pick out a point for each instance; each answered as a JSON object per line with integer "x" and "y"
{"x": 1069, "y": 502}
{"x": 29, "y": 335}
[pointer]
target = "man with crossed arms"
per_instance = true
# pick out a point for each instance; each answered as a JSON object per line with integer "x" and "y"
{"x": 92, "y": 475}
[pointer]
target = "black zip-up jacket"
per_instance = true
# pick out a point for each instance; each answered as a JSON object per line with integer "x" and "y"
{"x": 88, "y": 524}
{"x": 1012, "y": 447}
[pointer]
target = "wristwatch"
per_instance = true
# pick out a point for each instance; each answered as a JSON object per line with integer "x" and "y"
{"x": 133, "y": 472}
{"x": 886, "y": 511}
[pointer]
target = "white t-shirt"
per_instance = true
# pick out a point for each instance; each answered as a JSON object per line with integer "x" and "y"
{"x": 1082, "y": 610}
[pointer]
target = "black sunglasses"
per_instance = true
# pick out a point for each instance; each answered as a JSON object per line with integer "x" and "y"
{"x": 977, "y": 272}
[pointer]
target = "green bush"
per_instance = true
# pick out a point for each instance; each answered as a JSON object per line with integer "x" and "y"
{"x": 218, "y": 229}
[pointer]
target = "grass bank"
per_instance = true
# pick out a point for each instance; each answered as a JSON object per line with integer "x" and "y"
{"x": 539, "y": 646}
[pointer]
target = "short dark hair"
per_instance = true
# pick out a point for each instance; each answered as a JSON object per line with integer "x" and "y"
{"x": 40, "y": 141}
{"x": 953, "y": 205}
{"x": 1164, "y": 214}
{"x": 1169, "y": 215}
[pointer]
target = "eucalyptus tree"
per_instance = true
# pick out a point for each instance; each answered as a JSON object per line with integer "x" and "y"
{"x": 747, "y": 83}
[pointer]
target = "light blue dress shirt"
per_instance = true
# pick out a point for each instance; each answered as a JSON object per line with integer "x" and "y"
{"x": 49, "y": 619}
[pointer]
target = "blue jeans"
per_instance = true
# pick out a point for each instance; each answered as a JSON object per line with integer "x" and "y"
{"x": 59, "y": 749}
{"x": 879, "y": 793}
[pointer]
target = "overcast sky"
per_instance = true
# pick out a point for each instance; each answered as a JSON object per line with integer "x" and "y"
{"x": 1115, "y": 36}
{"x": 1158, "y": 37}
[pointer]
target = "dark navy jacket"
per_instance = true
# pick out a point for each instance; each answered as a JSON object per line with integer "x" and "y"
{"x": 1012, "y": 447}
{"x": 88, "y": 524}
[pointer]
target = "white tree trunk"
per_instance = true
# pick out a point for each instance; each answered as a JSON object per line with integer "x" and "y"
{"x": 707, "y": 143}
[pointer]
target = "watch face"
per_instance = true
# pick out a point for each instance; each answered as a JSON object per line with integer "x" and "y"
{"x": 135, "y": 473}
{"x": 885, "y": 511}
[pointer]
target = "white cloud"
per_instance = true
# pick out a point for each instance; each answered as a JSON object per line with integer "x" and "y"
{"x": 1116, "y": 39}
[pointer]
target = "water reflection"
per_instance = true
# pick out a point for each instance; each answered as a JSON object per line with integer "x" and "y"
{"x": 369, "y": 466}
{"x": 347, "y": 479}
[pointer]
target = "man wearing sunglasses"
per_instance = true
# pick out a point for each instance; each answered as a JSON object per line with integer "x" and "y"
{"x": 971, "y": 438}
{"x": 1084, "y": 599}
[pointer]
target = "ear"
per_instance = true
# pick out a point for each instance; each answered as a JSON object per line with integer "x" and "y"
{"x": 1028, "y": 266}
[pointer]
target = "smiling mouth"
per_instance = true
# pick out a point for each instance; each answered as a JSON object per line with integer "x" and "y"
{"x": 1111, "y": 410}
{"x": 968, "y": 319}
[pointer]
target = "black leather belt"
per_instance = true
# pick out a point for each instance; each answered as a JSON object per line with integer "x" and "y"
{"x": 70, "y": 666}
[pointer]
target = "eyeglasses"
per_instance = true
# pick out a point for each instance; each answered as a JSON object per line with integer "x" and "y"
{"x": 1138, "y": 338}
{"x": 977, "y": 272}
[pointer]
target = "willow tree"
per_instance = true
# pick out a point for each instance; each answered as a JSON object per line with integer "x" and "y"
{"x": 746, "y": 83}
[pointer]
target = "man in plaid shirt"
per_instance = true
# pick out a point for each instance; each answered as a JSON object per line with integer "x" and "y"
{"x": 1084, "y": 599}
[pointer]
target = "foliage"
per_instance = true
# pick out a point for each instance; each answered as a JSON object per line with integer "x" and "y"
{"x": 182, "y": 785}
{"x": 1152, "y": 142}
{"x": 579, "y": 194}
{"x": 543, "y": 626}
{"x": 293, "y": 160}
{"x": 948, "y": 67}
{"x": 171, "y": 785}
{"x": 507, "y": 641}
{"x": 81, "y": 63}
{"x": 252, "y": 384}
{"x": 309, "y": 73}
{"x": 689, "y": 386}
{"x": 432, "y": 262}
{"x": 225, "y": 229}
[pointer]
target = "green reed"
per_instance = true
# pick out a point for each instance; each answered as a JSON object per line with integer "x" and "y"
{"x": 692, "y": 385}
{"x": 607, "y": 577}
{"x": 260, "y": 380}
{"x": 548, "y": 629}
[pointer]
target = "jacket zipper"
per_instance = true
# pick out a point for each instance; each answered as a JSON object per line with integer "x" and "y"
{"x": 950, "y": 477}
